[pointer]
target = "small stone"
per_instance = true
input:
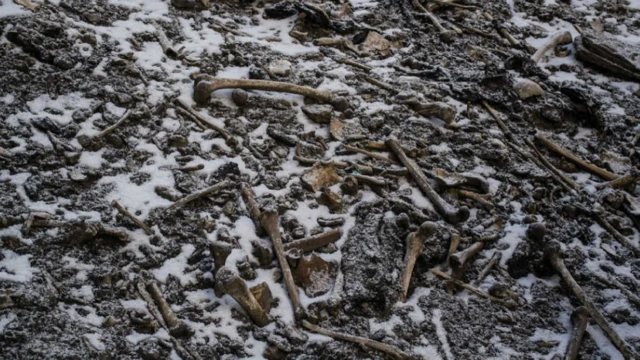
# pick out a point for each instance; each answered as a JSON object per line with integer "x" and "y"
{"x": 64, "y": 62}
{"x": 318, "y": 113}
{"x": 240, "y": 97}
{"x": 440, "y": 110}
{"x": 280, "y": 68}
{"x": 83, "y": 233}
{"x": 89, "y": 39}
{"x": 526, "y": 88}
{"x": 309, "y": 150}
{"x": 376, "y": 43}
{"x": 330, "y": 199}
{"x": 340, "y": 103}
{"x": 178, "y": 141}
{"x": 281, "y": 10}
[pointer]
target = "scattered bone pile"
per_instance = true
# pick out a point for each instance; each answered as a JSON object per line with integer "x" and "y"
{"x": 306, "y": 179}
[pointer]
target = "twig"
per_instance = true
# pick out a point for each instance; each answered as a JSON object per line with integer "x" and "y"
{"x": 388, "y": 349}
{"x": 199, "y": 194}
{"x": 137, "y": 221}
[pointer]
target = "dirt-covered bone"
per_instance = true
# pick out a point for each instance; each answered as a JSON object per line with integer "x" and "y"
{"x": 314, "y": 242}
{"x": 232, "y": 285}
{"x": 176, "y": 326}
{"x": 132, "y": 217}
{"x": 446, "y": 210}
{"x": 271, "y": 225}
{"x": 553, "y": 253}
{"x": 388, "y": 349}
{"x": 580, "y": 320}
{"x": 199, "y": 194}
{"x": 414, "y": 245}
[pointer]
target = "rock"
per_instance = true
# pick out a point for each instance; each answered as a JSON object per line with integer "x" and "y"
{"x": 240, "y": 97}
{"x": 350, "y": 185}
{"x": 330, "y": 199}
{"x": 440, "y": 110}
{"x": 64, "y": 62}
{"x": 83, "y": 233}
{"x": 374, "y": 43}
{"x": 262, "y": 293}
{"x": 446, "y": 179}
{"x": 320, "y": 174}
{"x": 315, "y": 275}
{"x": 185, "y": 4}
{"x": 339, "y": 130}
{"x": 318, "y": 113}
{"x": 281, "y": 10}
{"x": 608, "y": 54}
{"x": 526, "y": 88}
{"x": 280, "y": 67}
{"x": 309, "y": 150}
{"x": 178, "y": 141}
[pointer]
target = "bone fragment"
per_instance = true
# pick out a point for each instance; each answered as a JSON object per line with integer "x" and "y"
{"x": 415, "y": 242}
{"x": 133, "y": 218}
{"x": 199, "y": 194}
{"x": 233, "y": 285}
{"x": 558, "y": 39}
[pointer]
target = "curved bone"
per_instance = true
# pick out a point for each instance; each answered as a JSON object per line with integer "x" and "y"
{"x": 204, "y": 85}
{"x": 232, "y": 285}
{"x": 557, "y": 39}
{"x": 580, "y": 319}
{"x": 415, "y": 242}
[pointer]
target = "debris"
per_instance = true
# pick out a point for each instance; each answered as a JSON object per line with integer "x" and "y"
{"x": 315, "y": 242}
{"x": 607, "y": 54}
{"x": 137, "y": 221}
{"x": 199, "y": 194}
{"x": 280, "y": 67}
{"x": 318, "y": 113}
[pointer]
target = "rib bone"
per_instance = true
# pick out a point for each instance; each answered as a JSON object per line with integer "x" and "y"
{"x": 205, "y": 84}
{"x": 415, "y": 242}
{"x": 271, "y": 225}
{"x": 580, "y": 318}
{"x": 388, "y": 349}
{"x": 553, "y": 253}
{"x": 446, "y": 210}
{"x": 235, "y": 287}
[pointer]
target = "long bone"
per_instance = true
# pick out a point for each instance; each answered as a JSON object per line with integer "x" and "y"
{"x": 553, "y": 253}
{"x": 204, "y": 85}
{"x": 557, "y": 39}
{"x": 233, "y": 285}
{"x": 580, "y": 319}
{"x": 271, "y": 225}
{"x": 415, "y": 243}
{"x": 446, "y": 210}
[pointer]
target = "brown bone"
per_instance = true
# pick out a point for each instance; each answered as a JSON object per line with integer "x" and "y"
{"x": 415, "y": 242}
{"x": 232, "y": 285}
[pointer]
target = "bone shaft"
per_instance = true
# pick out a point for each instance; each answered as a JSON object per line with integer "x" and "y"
{"x": 165, "y": 44}
{"x": 453, "y": 245}
{"x": 573, "y": 157}
{"x": 271, "y": 86}
{"x": 618, "y": 183}
{"x": 369, "y": 154}
{"x": 576, "y": 337}
{"x": 397, "y": 354}
{"x": 410, "y": 262}
{"x": 616, "y": 234}
{"x": 198, "y": 194}
{"x": 483, "y": 274}
{"x": 252, "y": 307}
{"x": 201, "y": 119}
{"x": 473, "y": 289}
{"x": 111, "y": 128}
{"x": 476, "y": 197}
{"x": 550, "y": 166}
{"x": 137, "y": 221}
{"x": 619, "y": 343}
{"x": 252, "y": 206}
{"x": 461, "y": 257}
{"x": 445, "y": 210}
{"x": 168, "y": 314}
{"x": 560, "y": 38}
{"x": 314, "y": 242}
{"x": 271, "y": 224}
{"x": 378, "y": 83}
{"x": 369, "y": 180}
{"x": 505, "y": 33}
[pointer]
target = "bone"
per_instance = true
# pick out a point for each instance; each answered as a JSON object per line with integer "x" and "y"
{"x": 507, "y": 35}
{"x": 446, "y": 210}
{"x": 201, "y": 120}
{"x": 111, "y": 128}
{"x": 460, "y": 258}
{"x": 580, "y": 319}
{"x": 609, "y": 281}
{"x": 58, "y": 144}
{"x": 165, "y": 43}
{"x": 559, "y": 38}
{"x": 369, "y": 154}
{"x": 314, "y": 242}
{"x": 414, "y": 244}
{"x": 507, "y": 304}
{"x": 369, "y": 180}
{"x": 175, "y": 325}
{"x": 552, "y": 168}
{"x": 232, "y": 285}
{"x": 342, "y": 44}
{"x": 206, "y": 84}
{"x": 388, "y": 349}
{"x": 573, "y": 157}
{"x": 199, "y": 194}
{"x": 615, "y": 233}
{"x": 619, "y": 183}
{"x": 220, "y": 251}
{"x": 252, "y": 206}
{"x": 26, "y": 3}
{"x": 485, "y": 271}
{"x": 137, "y": 221}
{"x": 379, "y": 84}
{"x": 331, "y": 222}
{"x": 434, "y": 20}
{"x": 4, "y": 153}
{"x": 482, "y": 199}
{"x": 553, "y": 253}
{"x": 308, "y": 161}
{"x": 453, "y": 246}
{"x": 271, "y": 225}
{"x": 353, "y": 63}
